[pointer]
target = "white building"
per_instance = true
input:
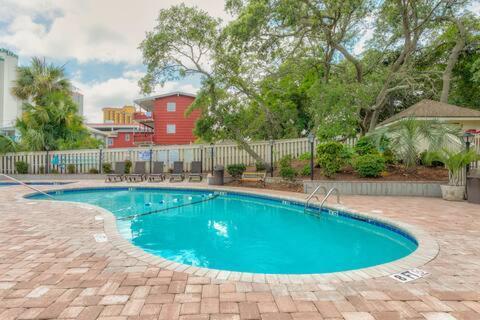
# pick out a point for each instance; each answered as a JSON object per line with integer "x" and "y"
{"x": 77, "y": 97}
{"x": 10, "y": 106}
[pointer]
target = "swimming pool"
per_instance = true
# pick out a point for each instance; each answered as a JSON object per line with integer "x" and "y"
{"x": 245, "y": 233}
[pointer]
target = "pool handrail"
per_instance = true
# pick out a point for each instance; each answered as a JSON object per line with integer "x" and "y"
{"x": 313, "y": 194}
{"x": 328, "y": 195}
{"x": 26, "y": 185}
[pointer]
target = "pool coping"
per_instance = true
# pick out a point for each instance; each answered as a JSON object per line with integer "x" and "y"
{"x": 426, "y": 251}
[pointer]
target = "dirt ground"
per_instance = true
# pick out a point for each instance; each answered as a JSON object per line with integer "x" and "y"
{"x": 393, "y": 173}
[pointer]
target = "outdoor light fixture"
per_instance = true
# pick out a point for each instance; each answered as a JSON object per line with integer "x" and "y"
{"x": 272, "y": 143}
{"x": 466, "y": 137}
{"x": 47, "y": 160}
{"x": 311, "y": 140}
{"x": 100, "y": 158}
{"x": 211, "y": 154}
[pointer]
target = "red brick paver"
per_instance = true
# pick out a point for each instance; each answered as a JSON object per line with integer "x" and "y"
{"x": 51, "y": 267}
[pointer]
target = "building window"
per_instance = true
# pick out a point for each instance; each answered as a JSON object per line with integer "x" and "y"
{"x": 171, "y": 106}
{"x": 127, "y": 137}
{"x": 171, "y": 128}
{"x": 110, "y": 142}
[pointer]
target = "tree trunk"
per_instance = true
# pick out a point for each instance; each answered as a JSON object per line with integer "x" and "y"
{"x": 452, "y": 60}
{"x": 245, "y": 146}
{"x": 356, "y": 63}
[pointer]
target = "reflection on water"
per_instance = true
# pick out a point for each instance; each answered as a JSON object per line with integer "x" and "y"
{"x": 241, "y": 233}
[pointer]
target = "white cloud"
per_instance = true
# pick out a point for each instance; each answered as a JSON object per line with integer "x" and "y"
{"x": 117, "y": 92}
{"x": 106, "y": 30}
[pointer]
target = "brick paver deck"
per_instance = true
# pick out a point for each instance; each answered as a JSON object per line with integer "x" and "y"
{"x": 51, "y": 267}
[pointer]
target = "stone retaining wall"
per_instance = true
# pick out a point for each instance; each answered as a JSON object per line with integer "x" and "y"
{"x": 379, "y": 188}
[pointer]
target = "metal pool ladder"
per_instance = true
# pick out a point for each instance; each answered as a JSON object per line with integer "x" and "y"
{"x": 313, "y": 195}
{"x": 26, "y": 185}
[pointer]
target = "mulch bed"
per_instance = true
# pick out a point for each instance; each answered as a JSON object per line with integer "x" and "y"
{"x": 393, "y": 173}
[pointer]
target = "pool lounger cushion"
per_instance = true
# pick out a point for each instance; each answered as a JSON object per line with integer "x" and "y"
{"x": 195, "y": 171}
{"x": 157, "y": 172}
{"x": 113, "y": 177}
{"x": 177, "y": 174}
{"x": 134, "y": 177}
{"x": 139, "y": 172}
{"x": 118, "y": 174}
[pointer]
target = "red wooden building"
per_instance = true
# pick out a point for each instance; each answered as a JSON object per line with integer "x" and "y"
{"x": 115, "y": 135}
{"x": 164, "y": 121}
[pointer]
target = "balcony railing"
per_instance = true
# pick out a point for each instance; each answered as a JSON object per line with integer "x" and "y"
{"x": 143, "y": 137}
{"x": 139, "y": 116}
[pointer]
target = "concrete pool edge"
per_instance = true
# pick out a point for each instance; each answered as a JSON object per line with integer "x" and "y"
{"x": 426, "y": 251}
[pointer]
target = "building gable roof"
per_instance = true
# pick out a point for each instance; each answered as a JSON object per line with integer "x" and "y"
{"x": 433, "y": 110}
{"x": 147, "y": 102}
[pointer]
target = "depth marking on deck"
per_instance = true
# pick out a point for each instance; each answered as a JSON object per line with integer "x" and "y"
{"x": 409, "y": 275}
{"x": 100, "y": 237}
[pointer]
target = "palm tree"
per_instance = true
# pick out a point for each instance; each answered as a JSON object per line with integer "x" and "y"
{"x": 39, "y": 79}
{"x": 455, "y": 161}
{"x": 7, "y": 144}
{"x": 409, "y": 137}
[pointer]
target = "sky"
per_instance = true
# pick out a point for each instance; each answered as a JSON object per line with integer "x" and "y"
{"x": 97, "y": 42}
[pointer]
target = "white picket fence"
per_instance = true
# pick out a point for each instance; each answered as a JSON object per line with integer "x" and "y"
{"x": 475, "y": 145}
{"x": 223, "y": 153}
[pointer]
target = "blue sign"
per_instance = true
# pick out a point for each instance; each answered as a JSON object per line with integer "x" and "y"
{"x": 55, "y": 160}
{"x": 144, "y": 155}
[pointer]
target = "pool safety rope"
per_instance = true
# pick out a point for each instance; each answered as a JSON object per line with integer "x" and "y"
{"x": 170, "y": 208}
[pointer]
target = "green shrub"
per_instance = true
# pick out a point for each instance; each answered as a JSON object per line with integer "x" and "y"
{"x": 286, "y": 170}
{"x": 332, "y": 156}
{"x": 425, "y": 160}
{"x": 288, "y": 173}
{"x": 21, "y": 167}
{"x": 128, "y": 166}
{"x": 365, "y": 145}
{"x": 260, "y": 166}
{"x": 285, "y": 161}
{"x": 306, "y": 170}
{"x": 369, "y": 165}
{"x": 93, "y": 171}
{"x": 304, "y": 156}
{"x": 389, "y": 156}
{"x": 71, "y": 169}
{"x": 236, "y": 170}
{"x": 54, "y": 171}
{"x": 107, "y": 167}
{"x": 41, "y": 169}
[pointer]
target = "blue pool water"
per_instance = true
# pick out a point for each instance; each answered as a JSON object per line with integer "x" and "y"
{"x": 244, "y": 233}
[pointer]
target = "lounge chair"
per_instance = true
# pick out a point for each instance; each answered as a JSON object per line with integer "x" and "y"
{"x": 157, "y": 172}
{"x": 177, "y": 175}
{"x": 138, "y": 174}
{"x": 258, "y": 177}
{"x": 195, "y": 171}
{"x": 118, "y": 173}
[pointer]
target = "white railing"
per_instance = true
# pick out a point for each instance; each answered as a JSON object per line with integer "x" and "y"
{"x": 223, "y": 153}
{"x": 85, "y": 160}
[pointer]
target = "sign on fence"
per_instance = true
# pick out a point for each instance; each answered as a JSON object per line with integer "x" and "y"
{"x": 144, "y": 155}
